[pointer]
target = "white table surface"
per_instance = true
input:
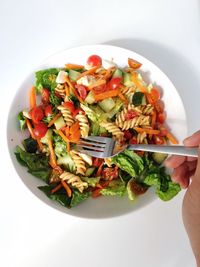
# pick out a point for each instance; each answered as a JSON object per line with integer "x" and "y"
{"x": 166, "y": 32}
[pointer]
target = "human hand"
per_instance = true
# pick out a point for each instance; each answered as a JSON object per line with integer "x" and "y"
{"x": 187, "y": 174}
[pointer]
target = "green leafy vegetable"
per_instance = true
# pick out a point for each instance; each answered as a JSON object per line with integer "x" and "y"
{"x": 115, "y": 188}
{"x": 46, "y": 79}
{"x": 30, "y": 145}
{"x": 94, "y": 117}
{"x": 75, "y": 100}
{"x": 54, "y": 100}
{"x": 172, "y": 191}
{"x": 42, "y": 174}
{"x": 78, "y": 197}
{"x": 60, "y": 196}
{"x": 22, "y": 121}
{"x": 92, "y": 181}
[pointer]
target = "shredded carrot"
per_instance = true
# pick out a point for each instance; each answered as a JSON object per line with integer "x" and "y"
{"x": 67, "y": 90}
{"x": 73, "y": 66}
{"x": 64, "y": 137}
{"x": 99, "y": 169}
{"x": 96, "y": 193}
{"x": 68, "y": 147}
{"x": 99, "y": 186}
{"x": 149, "y": 98}
{"x": 87, "y": 72}
{"x": 123, "y": 98}
{"x": 74, "y": 128}
{"x": 172, "y": 139}
{"x": 109, "y": 73}
{"x": 32, "y": 97}
{"x": 56, "y": 188}
{"x": 106, "y": 94}
{"x": 67, "y": 131}
{"x": 52, "y": 154}
{"x": 68, "y": 190}
{"x": 30, "y": 128}
{"x": 146, "y": 130}
{"x": 137, "y": 83}
{"x": 54, "y": 119}
{"x": 69, "y": 82}
{"x": 97, "y": 83}
{"x": 40, "y": 144}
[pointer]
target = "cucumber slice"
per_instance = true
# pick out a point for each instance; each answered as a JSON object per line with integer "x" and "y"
{"x": 159, "y": 157}
{"x": 73, "y": 75}
{"x": 89, "y": 171}
{"x": 107, "y": 104}
{"x": 90, "y": 98}
{"x": 128, "y": 80}
{"x": 47, "y": 137}
{"x": 139, "y": 99}
{"x": 117, "y": 73}
{"x": 59, "y": 123}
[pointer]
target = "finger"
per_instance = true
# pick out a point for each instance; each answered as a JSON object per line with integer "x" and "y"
{"x": 191, "y": 159}
{"x": 192, "y": 165}
{"x": 174, "y": 161}
{"x": 197, "y": 172}
{"x": 180, "y": 173}
{"x": 193, "y": 140}
{"x": 186, "y": 179}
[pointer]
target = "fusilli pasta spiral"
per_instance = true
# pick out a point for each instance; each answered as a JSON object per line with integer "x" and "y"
{"x": 112, "y": 128}
{"x": 141, "y": 138}
{"x": 60, "y": 89}
{"x": 74, "y": 181}
{"x": 66, "y": 115}
{"x": 137, "y": 121}
{"x": 84, "y": 124}
{"x": 79, "y": 162}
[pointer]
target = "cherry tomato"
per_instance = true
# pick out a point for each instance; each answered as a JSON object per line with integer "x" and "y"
{"x": 159, "y": 106}
{"x": 110, "y": 173}
{"x": 37, "y": 114}
{"x": 161, "y": 117}
{"x": 45, "y": 96}
{"x": 127, "y": 134}
{"x": 133, "y": 140}
{"x": 114, "y": 83}
{"x": 94, "y": 61}
{"x": 130, "y": 115}
{"x": 138, "y": 189}
{"x": 40, "y": 130}
{"x": 81, "y": 90}
{"x": 48, "y": 110}
{"x": 97, "y": 162}
{"x": 76, "y": 111}
{"x": 158, "y": 140}
{"x": 134, "y": 63}
{"x": 163, "y": 131}
{"x": 155, "y": 94}
{"x": 69, "y": 105}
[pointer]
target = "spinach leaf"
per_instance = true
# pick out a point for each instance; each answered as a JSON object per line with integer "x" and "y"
{"x": 78, "y": 197}
{"x": 60, "y": 196}
{"x": 22, "y": 121}
{"x": 30, "y": 145}
{"x": 42, "y": 174}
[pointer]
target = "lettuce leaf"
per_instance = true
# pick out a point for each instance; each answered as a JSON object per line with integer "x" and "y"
{"x": 78, "y": 197}
{"x": 22, "y": 121}
{"x": 92, "y": 181}
{"x": 46, "y": 79}
{"x": 115, "y": 188}
{"x": 172, "y": 191}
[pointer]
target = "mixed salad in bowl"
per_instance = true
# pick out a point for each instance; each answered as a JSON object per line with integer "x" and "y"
{"x": 100, "y": 99}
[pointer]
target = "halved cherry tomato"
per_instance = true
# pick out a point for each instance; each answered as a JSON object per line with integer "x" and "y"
{"x": 69, "y": 105}
{"x": 155, "y": 94}
{"x": 94, "y": 61}
{"x": 97, "y": 162}
{"x": 40, "y": 130}
{"x": 159, "y": 106}
{"x": 37, "y": 114}
{"x": 48, "y": 110}
{"x": 138, "y": 189}
{"x": 45, "y": 96}
{"x": 130, "y": 115}
{"x": 127, "y": 134}
{"x": 114, "y": 83}
{"x": 133, "y": 140}
{"x": 134, "y": 63}
{"x": 161, "y": 117}
{"x": 110, "y": 173}
{"x": 158, "y": 140}
{"x": 81, "y": 90}
{"x": 76, "y": 111}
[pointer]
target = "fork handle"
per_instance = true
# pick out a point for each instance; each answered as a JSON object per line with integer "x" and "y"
{"x": 172, "y": 150}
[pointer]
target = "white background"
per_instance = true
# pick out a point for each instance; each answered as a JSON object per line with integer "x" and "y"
{"x": 166, "y": 32}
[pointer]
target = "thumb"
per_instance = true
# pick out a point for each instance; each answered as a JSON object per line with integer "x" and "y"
{"x": 193, "y": 140}
{"x": 196, "y": 178}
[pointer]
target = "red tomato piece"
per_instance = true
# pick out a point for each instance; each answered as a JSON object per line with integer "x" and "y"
{"x": 161, "y": 117}
{"x": 114, "y": 83}
{"x": 159, "y": 106}
{"x": 137, "y": 188}
{"x": 110, "y": 173}
{"x": 81, "y": 90}
{"x": 127, "y": 134}
{"x": 45, "y": 96}
{"x": 48, "y": 110}
{"x": 40, "y": 130}
{"x": 155, "y": 94}
{"x": 94, "y": 61}
{"x": 158, "y": 140}
{"x": 133, "y": 140}
{"x": 37, "y": 114}
{"x": 76, "y": 111}
{"x": 97, "y": 162}
{"x": 134, "y": 63}
{"x": 69, "y": 105}
{"x": 130, "y": 115}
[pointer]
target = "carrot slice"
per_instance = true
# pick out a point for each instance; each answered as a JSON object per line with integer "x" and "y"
{"x": 40, "y": 144}
{"x": 64, "y": 137}
{"x": 146, "y": 130}
{"x": 73, "y": 66}
{"x": 54, "y": 119}
{"x": 32, "y": 97}
{"x": 87, "y": 72}
{"x": 172, "y": 139}
{"x": 97, "y": 83}
{"x": 123, "y": 98}
{"x": 56, "y": 188}
{"x": 67, "y": 188}
{"x": 52, "y": 154}
{"x": 30, "y": 128}
{"x": 106, "y": 94}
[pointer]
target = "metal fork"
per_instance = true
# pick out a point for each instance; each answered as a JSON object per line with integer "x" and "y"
{"x": 104, "y": 147}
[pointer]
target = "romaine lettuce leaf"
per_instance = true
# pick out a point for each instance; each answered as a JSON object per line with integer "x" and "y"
{"x": 92, "y": 181}
{"x": 115, "y": 188}
{"x": 22, "y": 121}
{"x": 94, "y": 117}
{"x": 46, "y": 79}
{"x": 172, "y": 191}
{"x": 78, "y": 197}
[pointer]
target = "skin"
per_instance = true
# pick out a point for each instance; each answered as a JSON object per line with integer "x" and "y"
{"x": 187, "y": 173}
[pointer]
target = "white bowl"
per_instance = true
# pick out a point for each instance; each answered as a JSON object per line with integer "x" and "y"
{"x": 102, "y": 207}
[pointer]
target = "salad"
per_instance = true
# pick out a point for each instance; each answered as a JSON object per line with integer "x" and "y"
{"x": 100, "y": 99}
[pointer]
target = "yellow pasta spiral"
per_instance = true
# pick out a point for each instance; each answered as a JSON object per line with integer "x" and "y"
{"x": 137, "y": 121}
{"x": 141, "y": 138}
{"x": 60, "y": 89}
{"x": 79, "y": 162}
{"x": 66, "y": 115}
{"x": 84, "y": 124}
{"x": 74, "y": 181}
{"x": 112, "y": 128}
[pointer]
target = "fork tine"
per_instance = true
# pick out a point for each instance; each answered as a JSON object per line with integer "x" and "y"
{"x": 82, "y": 142}
{"x": 96, "y": 138}
{"x": 92, "y": 153}
{"x": 91, "y": 148}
